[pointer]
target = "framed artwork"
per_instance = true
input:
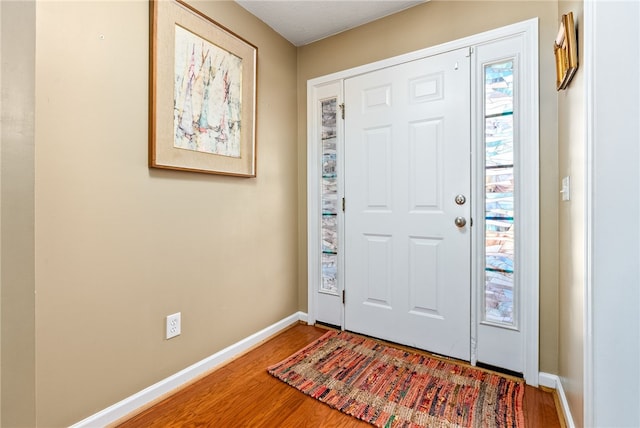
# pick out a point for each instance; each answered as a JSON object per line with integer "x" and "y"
{"x": 566, "y": 52}
{"x": 202, "y": 93}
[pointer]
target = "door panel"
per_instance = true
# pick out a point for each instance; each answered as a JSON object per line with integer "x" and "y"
{"x": 377, "y": 148}
{"x": 425, "y": 145}
{"x": 423, "y": 276}
{"x": 407, "y": 155}
{"x": 379, "y": 267}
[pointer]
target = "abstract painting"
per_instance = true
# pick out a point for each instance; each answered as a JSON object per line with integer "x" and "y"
{"x": 207, "y": 101}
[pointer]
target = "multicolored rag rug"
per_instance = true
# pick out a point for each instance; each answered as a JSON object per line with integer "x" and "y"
{"x": 389, "y": 387}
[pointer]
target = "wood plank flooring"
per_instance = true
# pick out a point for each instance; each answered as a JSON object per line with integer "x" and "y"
{"x": 243, "y": 394}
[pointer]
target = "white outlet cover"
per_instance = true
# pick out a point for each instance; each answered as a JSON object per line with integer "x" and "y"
{"x": 174, "y": 325}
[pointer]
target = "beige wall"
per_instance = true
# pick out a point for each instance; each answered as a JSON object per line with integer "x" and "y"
{"x": 427, "y": 25}
{"x": 119, "y": 246}
{"x": 571, "y": 159}
{"x": 17, "y": 280}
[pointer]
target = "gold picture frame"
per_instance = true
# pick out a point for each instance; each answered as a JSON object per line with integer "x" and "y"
{"x": 202, "y": 93}
{"x": 566, "y": 52}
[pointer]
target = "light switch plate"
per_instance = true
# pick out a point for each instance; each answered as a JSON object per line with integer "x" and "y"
{"x": 566, "y": 189}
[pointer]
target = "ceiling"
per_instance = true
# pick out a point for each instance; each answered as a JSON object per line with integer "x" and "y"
{"x": 305, "y": 21}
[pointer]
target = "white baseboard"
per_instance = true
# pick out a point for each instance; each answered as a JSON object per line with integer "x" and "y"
{"x": 130, "y": 404}
{"x": 548, "y": 380}
{"x": 553, "y": 381}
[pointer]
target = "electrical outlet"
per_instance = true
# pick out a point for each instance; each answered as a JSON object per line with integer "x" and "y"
{"x": 174, "y": 325}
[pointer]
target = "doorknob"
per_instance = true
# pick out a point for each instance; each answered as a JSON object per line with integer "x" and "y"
{"x": 460, "y": 221}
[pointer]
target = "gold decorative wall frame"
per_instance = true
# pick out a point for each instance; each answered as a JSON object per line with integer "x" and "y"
{"x": 202, "y": 90}
{"x": 566, "y": 51}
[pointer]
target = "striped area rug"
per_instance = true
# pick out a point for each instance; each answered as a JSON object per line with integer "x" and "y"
{"x": 389, "y": 387}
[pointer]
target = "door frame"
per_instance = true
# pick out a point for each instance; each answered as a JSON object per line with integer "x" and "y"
{"x": 529, "y": 247}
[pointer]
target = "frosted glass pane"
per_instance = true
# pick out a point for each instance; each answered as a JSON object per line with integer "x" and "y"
{"x": 499, "y": 140}
{"x": 499, "y": 180}
{"x": 329, "y": 198}
{"x": 329, "y": 118}
{"x": 499, "y": 297}
{"x": 329, "y": 273}
{"x": 499, "y": 194}
{"x": 499, "y": 88}
{"x": 330, "y": 204}
{"x": 499, "y": 251}
{"x": 329, "y": 157}
{"x": 329, "y": 234}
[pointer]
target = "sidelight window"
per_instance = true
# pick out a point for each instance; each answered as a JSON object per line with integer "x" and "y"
{"x": 329, "y": 197}
{"x": 499, "y": 201}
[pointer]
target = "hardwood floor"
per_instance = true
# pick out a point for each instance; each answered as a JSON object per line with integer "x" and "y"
{"x": 243, "y": 394}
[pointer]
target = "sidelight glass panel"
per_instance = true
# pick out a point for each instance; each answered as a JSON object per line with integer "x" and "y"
{"x": 499, "y": 295}
{"x": 329, "y": 273}
{"x": 499, "y": 88}
{"x": 499, "y": 141}
{"x": 329, "y": 197}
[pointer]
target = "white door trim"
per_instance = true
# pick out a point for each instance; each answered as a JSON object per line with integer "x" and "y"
{"x": 589, "y": 18}
{"x": 530, "y": 189}
{"x": 611, "y": 322}
{"x": 530, "y": 208}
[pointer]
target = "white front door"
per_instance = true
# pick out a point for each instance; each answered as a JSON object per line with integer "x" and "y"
{"x": 407, "y": 158}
